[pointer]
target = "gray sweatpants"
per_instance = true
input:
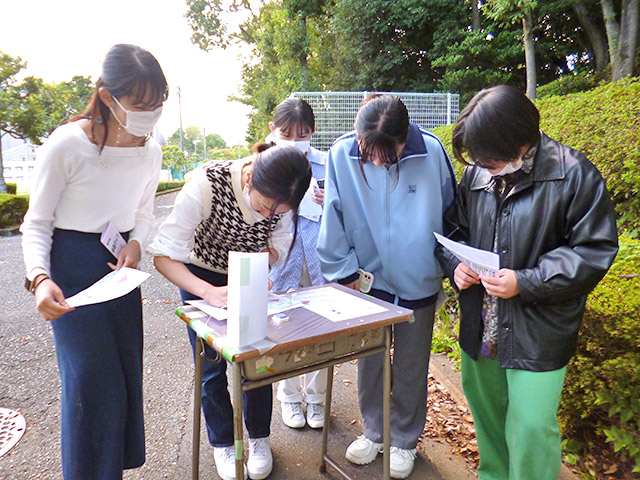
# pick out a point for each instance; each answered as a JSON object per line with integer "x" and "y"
{"x": 411, "y": 349}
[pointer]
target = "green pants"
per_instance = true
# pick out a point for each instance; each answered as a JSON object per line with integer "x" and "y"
{"x": 516, "y": 419}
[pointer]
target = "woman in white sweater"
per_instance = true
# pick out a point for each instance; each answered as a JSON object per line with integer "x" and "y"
{"x": 102, "y": 167}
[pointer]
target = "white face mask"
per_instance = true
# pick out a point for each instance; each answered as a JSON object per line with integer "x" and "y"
{"x": 303, "y": 145}
{"x": 509, "y": 168}
{"x": 138, "y": 124}
{"x": 247, "y": 201}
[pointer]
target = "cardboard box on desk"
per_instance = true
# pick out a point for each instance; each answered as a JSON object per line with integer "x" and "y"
{"x": 247, "y": 298}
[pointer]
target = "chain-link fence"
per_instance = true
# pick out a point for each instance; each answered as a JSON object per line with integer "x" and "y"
{"x": 335, "y": 112}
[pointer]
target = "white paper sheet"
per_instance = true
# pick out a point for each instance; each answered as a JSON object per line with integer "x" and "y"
{"x": 215, "y": 312}
{"x": 333, "y": 304}
{"x": 482, "y": 262}
{"x": 113, "y": 285}
{"x": 308, "y": 208}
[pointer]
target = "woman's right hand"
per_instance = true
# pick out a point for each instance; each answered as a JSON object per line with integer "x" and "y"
{"x": 465, "y": 277}
{"x": 354, "y": 285}
{"x": 50, "y": 300}
{"x": 216, "y": 296}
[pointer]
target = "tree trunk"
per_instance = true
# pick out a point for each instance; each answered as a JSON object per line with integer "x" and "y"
{"x": 628, "y": 37}
{"x": 303, "y": 58}
{"x": 305, "y": 71}
{"x": 622, "y": 37}
{"x": 529, "y": 54}
{"x": 3, "y": 185}
{"x": 613, "y": 35}
{"x": 475, "y": 16}
{"x": 596, "y": 38}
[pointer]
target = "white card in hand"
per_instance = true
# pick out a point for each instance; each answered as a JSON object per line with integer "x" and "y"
{"x": 112, "y": 240}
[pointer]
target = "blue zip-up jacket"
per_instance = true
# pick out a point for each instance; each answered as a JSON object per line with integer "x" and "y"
{"x": 385, "y": 224}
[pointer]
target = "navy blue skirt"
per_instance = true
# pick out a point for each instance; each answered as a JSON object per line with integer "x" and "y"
{"x": 99, "y": 352}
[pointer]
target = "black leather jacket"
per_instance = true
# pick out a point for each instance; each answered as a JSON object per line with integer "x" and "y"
{"x": 557, "y": 230}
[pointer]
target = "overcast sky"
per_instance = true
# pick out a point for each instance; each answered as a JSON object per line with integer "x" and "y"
{"x": 62, "y": 38}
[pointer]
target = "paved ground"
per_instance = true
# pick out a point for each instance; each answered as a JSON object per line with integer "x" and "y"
{"x": 29, "y": 384}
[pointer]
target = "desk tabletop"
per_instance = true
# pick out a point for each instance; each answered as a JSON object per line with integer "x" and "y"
{"x": 304, "y": 326}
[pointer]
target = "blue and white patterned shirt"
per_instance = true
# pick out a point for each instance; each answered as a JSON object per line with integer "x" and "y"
{"x": 287, "y": 276}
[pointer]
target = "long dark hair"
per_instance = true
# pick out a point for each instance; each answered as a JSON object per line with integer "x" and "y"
{"x": 382, "y": 124}
{"x": 282, "y": 174}
{"x": 292, "y": 112}
{"x": 494, "y": 126}
{"x": 126, "y": 70}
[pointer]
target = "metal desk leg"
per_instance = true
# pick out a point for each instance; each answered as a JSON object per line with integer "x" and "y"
{"x": 197, "y": 403}
{"x": 237, "y": 420}
{"x": 386, "y": 405}
{"x": 327, "y": 419}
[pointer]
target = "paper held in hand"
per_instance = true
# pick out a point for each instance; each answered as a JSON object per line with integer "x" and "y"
{"x": 482, "y": 262}
{"x": 113, "y": 285}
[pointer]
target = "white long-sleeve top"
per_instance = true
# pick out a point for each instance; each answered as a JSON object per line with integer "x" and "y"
{"x": 175, "y": 238}
{"x": 76, "y": 187}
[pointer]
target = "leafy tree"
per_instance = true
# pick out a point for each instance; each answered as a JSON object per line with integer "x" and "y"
{"x": 11, "y": 121}
{"x": 229, "y": 153}
{"x": 484, "y": 57}
{"x": 193, "y": 139}
{"x": 173, "y": 157}
{"x": 209, "y": 28}
{"x": 282, "y": 37}
{"x": 215, "y": 141}
{"x": 406, "y": 45}
{"x": 189, "y": 135}
{"x": 523, "y": 11}
{"x": 390, "y": 45}
{"x": 32, "y": 109}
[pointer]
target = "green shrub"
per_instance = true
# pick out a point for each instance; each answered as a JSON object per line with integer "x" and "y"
{"x": 12, "y": 188}
{"x": 444, "y": 134}
{"x": 603, "y": 123}
{"x": 165, "y": 186}
{"x": 12, "y": 209}
{"x": 566, "y": 84}
{"x": 446, "y": 328}
{"x": 601, "y": 395}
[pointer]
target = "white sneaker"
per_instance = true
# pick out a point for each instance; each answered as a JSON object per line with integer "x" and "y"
{"x": 401, "y": 461}
{"x": 363, "y": 451}
{"x": 260, "y": 461}
{"x": 225, "y": 458}
{"x": 292, "y": 414}
{"x": 315, "y": 415}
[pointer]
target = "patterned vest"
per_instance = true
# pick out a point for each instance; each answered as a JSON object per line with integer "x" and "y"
{"x": 225, "y": 229}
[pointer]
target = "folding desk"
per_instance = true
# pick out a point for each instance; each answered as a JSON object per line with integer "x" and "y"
{"x": 307, "y": 342}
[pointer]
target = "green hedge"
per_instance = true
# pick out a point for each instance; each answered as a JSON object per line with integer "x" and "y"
{"x": 12, "y": 209}
{"x": 165, "y": 186}
{"x": 567, "y": 84}
{"x": 602, "y": 388}
{"x": 12, "y": 188}
{"x": 604, "y": 124}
